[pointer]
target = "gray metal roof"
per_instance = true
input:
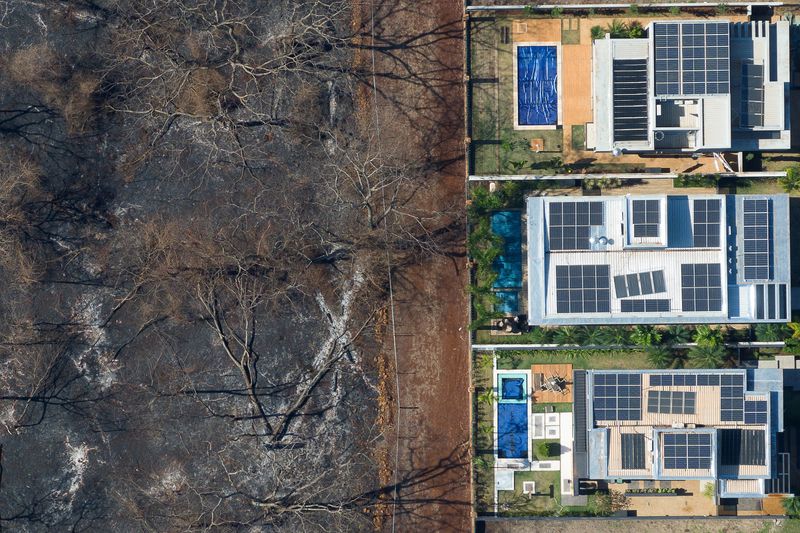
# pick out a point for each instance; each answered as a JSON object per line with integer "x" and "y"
{"x": 683, "y": 259}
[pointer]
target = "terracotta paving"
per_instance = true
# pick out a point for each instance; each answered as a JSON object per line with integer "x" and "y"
{"x": 547, "y": 371}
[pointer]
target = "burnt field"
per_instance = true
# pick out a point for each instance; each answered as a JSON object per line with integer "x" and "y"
{"x": 198, "y": 222}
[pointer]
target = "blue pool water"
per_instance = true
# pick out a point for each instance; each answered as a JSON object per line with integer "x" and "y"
{"x": 512, "y": 389}
{"x": 508, "y": 225}
{"x": 512, "y": 430}
{"x": 507, "y": 302}
{"x": 537, "y": 85}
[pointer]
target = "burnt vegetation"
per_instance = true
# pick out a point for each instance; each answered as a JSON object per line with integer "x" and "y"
{"x": 196, "y": 231}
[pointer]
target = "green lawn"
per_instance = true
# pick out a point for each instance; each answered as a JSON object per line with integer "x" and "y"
{"x": 482, "y": 438}
{"x": 515, "y": 503}
{"x": 607, "y": 359}
{"x": 758, "y": 186}
{"x": 557, "y": 407}
{"x": 553, "y": 447}
{"x": 579, "y": 137}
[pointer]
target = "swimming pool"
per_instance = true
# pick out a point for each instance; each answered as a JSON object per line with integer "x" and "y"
{"x": 537, "y": 85}
{"x": 507, "y": 302}
{"x": 512, "y": 416}
{"x": 512, "y": 430}
{"x": 508, "y": 265}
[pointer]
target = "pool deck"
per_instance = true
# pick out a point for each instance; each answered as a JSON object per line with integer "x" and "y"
{"x": 560, "y": 370}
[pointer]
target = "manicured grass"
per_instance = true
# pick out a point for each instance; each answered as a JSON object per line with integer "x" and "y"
{"x": 605, "y": 359}
{"x": 758, "y": 186}
{"x": 553, "y": 449}
{"x": 579, "y": 137}
{"x": 483, "y": 440}
{"x": 557, "y": 407}
{"x": 515, "y": 503}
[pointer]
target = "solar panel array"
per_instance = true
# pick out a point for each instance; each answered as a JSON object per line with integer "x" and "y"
{"x": 739, "y": 447}
{"x": 752, "y": 96}
{"x": 757, "y": 239}
{"x": 646, "y": 218}
{"x": 732, "y": 397}
{"x": 686, "y": 451}
{"x": 617, "y": 396}
{"x": 705, "y": 225}
{"x": 582, "y": 289}
{"x": 755, "y": 412}
{"x": 648, "y": 305}
{"x": 671, "y": 402}
{"x": 630, "y": 99}
{"x": 570, "y": 224}
{"x": 632, "y": 447}
{"x": 667, "y": 50}
{"x": 639, "y": 284}
{"x": 684, "y": 380}
{"x": 692, "y": 58}
{"x": 701, "y": 286}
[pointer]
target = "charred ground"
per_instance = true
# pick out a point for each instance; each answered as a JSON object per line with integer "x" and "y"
{"x": 195, "y": 226}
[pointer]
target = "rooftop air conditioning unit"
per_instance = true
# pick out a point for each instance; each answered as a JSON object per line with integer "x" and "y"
{"x": 677, "y": 425}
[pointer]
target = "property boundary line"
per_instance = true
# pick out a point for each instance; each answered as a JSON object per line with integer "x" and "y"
{"x": 645, "y": 5}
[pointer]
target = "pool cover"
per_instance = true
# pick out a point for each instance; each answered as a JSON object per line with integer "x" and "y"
{"x": 508, "y": 225}
{"x": 512, "y": 430}
{"x": 537, "y": 85}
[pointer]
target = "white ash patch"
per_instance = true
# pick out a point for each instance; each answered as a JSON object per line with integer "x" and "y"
{"x": 171, "y": 481}
{"x": 96, "y": 362}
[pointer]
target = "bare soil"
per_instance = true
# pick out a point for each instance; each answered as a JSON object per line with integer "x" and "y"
{"x": 424, "y": 112}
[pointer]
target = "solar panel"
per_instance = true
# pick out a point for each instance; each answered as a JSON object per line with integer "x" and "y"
{"x": 646, "y": 218}
{"x": 686, "y": 451}
{"x": 752, "y": 96}
{"x": 658, "y": 281}
{"x": 706, "y": 223}
{"x": 582, "y": 289}
{"x": 570, "y": 224}
{"x": 755, "y": 412}
{"x": 671, "y": 402}
{"x": 648, "y": 305}
{"x": 617, "y": 396}
{"x": 630, "y": 99}
{"x": 701, "y": 286}
{"x": 757, "y": 228}
{"x": 647, "y": 283}
{"x": 741, "y": 447}
{"x": 632, "y": 448}
{"x": 692, "y": 58}
{"x": 632, "y": 280}
{"x": 732, "y": 398}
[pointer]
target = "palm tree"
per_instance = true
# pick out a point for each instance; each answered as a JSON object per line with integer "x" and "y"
{"x": 567, "y": 335}
{"x": 540, "y": 335}
{"x": 488, "y": 397}
{"x": 646, "y": 336}
{"x": 616, "y": 335}
{"x": 591, "y": 335}
{"x": 707, "y": 356}
{"x": 617, "y": 29}
{"x": 598, "y": 32}
{"x": 771, "y": 332}
{"x": 791, "y": 506}
{"x": 708, "y": 336}
{"x": 660, "y": 356}
{"x": 635, "y": 30}
{"x": 678, "y": 334}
